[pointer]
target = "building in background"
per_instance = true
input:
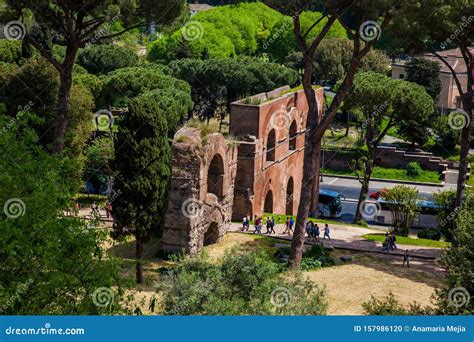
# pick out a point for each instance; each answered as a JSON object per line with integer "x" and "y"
{"x": 449, "y": 98}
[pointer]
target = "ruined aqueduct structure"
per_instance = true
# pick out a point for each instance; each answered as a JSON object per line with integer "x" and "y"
{"x": 215, "y": 180}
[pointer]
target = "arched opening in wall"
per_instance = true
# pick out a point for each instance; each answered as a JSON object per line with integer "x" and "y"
{"x": 271, "y": 139}
{"x": 215, "y": 176}
{"x": 292, "y": 136}
{"x": 289, "y": 196}
{"x": 268, "y": 206}
{"x": 212, "y": 234}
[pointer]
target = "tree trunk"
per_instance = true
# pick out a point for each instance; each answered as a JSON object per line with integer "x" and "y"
{"x": 311, "y": 157}
{"x": 62, "y": 110}
{"x": 348, "y": 126}
{"x": 364, "y": 190}
{"x": 138, "y": 258}
{"x": 468, "y": 103}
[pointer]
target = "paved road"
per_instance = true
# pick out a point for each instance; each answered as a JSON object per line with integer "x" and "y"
{"x": 350, "y": 189}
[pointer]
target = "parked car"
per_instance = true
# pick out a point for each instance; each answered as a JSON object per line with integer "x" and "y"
{"x": 377, "y": 194}
{"x": 330, "y": 203}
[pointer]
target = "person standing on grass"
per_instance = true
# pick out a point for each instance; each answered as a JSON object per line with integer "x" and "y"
{"x": 406, "y": 259}
{"x": 326, "y": 231}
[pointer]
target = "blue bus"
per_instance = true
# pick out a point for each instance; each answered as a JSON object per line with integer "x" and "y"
{"x": 329, "y": 203}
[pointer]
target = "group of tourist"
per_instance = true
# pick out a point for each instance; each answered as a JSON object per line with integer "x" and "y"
{"x": 389, "y": 242}
{"x": 313, "y": 231}
{"x": 95, "y": 210}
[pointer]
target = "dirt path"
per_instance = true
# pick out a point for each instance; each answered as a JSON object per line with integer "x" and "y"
{"x": 350, "y": 238}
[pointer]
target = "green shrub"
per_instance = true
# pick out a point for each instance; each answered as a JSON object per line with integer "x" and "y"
{"x": 241, "y": 283}
{"x": 413, "y": 169}
{"x": 321, "y": 254}
{"x": 402, "y": 203}
{"x": 102, "y": 59}
{"x": 429, "y": 233}
{"x": 389, "y": 306}
{"x": 446, "y": 213}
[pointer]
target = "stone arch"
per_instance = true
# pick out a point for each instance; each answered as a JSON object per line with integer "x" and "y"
{"x": 211, "y": 235}
{"x": 292, "y": 135}
{"x": 290, "y": 193}
{"x": 268, "y": 204}
{"x": 215, "y": 176}
{"x": 271, "y": 145}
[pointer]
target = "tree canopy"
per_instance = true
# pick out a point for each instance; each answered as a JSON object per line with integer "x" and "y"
{"x": 230, "y": 79}
{"x": 425, "y": 72}
{"x": 102, "y": 59}
{"x": 52, "y": 264}
{"x": 142, "y": 172}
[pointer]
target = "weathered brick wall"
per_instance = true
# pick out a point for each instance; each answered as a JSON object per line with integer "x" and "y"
{"x": 195, "y": 217}
{"x": 275, "y": 114}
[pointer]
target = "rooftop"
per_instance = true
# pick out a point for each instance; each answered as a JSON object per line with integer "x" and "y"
{"x": 453, "y": 57}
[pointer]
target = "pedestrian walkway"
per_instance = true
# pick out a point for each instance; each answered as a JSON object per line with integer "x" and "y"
{"x": 451, "y": 176}
{"x": 350, "y": 238}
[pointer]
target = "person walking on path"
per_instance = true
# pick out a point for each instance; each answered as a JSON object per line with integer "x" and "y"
{"x": 392, "y": 240}
{"x": 326, "y": 231}
{"x": 244, "y": 224}
{"x": 316, "y": 232}
{"x": 269, "y": 226}
{"x": 287, "y": 226}
{"x": 108, "y": 209}
{"x": 386, "y": 243}
{"x": 272, "y": 225}
{"x": 290, "y": 226}
{"x": 258, "y": 225}
{"x": 308, "y": 230}
{"x": 406, "y": 259}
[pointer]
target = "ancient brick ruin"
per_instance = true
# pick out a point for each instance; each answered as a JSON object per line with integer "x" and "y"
{"x": 271, "y": 138}
{"x": 215, "y": 180}
{"x": 201, "y": 191}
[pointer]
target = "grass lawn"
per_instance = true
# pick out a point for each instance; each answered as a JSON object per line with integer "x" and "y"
{"x": 395, "y": 174}
{"x": 402, "y": 240}
{"x": 347, "y": 285}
